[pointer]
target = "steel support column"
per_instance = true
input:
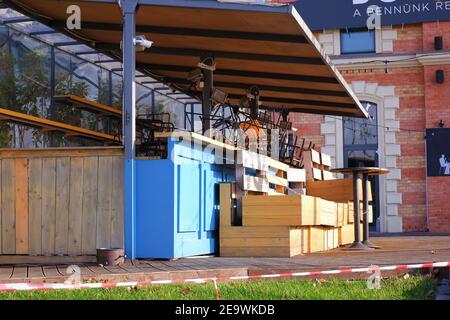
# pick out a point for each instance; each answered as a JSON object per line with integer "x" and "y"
{"x": 357, "y": 212}
{"x": 129, "y": 8}
{"x": 254, "y": 108}
{"x": 206, "y": 98}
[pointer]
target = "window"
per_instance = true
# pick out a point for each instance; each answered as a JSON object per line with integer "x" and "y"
{"x": 360, "y": 131}
{"x": 361, "y": 148}
{"x": 357, "y": 41}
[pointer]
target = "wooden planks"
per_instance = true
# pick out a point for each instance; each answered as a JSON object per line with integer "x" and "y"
{"x": 338, "y": 190}
{"x": 8, "y": 207}
{"x": 48, "y": 206}
{"x": 1, "y": 214}
{"x": 61, "y": 205}
{"x": 263, "y": 241}
{"x": 117, "y": 216}
{"x": 27, "y": 120}
{"x": 21, "y": 199}
{"x": 75, "y": 206}
{"x": 279, "y": 210}
{"x": 104, "y": 202}
{"x": 89, "y": 223}
{"x": 35, "y": 206}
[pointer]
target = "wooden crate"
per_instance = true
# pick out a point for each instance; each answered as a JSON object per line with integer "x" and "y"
{"x": 342, "y": 212}
{"x": 347, "y": 234}
{"x": 278, "y": 211}
{"x": 338, "y": 190}
{"x": 295, "y": 210}
{"x": 263, "y": 241}
{"x": 326, "y": 213}
{"x": 323, "y": 239}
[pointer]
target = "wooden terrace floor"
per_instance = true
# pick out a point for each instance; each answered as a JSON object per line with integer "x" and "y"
{"x": 395, "y": 250}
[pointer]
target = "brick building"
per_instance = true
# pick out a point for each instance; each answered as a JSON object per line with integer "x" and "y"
{"x": 394, "y": 70}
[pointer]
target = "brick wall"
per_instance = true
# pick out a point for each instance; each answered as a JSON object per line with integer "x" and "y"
{"x": 423, "y": 103}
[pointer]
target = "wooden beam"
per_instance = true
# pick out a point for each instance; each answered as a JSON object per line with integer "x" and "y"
{"x": 61, "y": 152}
{"x": 27, "y": 120}
{"x": 220, "y": 54}
{"x": 194, "y": 32}
{"x": 89, "y": 105}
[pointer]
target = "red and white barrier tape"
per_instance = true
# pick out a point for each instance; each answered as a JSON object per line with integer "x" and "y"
{"x": 60, "y": 286}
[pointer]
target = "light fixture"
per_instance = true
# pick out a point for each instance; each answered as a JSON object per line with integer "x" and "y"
{"x": 244, "y": 103}
{"x": 218, "y": 96}
{"x": 207, "y": 64}
{"x": 142, "y": 43}
{"x": 253, "y": 92}
{"x": 438, "y": 43}
{"x": 440, "y": 77}
{"x": 441, "y": 124}
{"x": 195, "y": 75}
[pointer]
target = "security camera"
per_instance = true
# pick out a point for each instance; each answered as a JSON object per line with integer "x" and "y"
{"x": 142, "y": 43}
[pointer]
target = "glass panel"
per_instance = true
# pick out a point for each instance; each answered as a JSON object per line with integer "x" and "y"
{"x": 25, "y": 86}
{"x": 357, "y": 41}
{"x": 175, "y": 109}
{"x": 362, "y": 158}
{"x": 144, "y": 100}
{"x": 359, "y": 131}
{"x": 117, "y": 86}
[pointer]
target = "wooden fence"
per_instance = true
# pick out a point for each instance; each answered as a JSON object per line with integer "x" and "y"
{"x": 60, "y": 201}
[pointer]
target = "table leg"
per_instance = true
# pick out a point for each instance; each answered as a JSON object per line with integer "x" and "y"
{"x": 365, "y": 183}
{"x": 357, "y": 245}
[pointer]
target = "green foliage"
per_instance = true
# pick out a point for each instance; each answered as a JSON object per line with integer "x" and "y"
{"x": 24, "y": 87}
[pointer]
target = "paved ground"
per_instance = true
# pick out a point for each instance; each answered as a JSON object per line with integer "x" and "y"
{"x": 395, "y": 250}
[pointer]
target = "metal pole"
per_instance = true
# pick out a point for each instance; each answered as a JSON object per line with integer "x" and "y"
{"x": 129, "y": 8}
{"x": 366, "y": 184}
{"x": 357, "y": 214}
{"x": 206, "y": 99}
{"x": 254, "y": 108}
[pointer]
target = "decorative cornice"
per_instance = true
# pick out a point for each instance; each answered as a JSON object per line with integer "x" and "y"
{"x": 437, "y": 59}
{"x": 393, "y": 61}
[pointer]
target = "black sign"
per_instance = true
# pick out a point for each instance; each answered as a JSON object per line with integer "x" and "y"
{"x": 438, "y": 152}
{"x": 342, "y": 14}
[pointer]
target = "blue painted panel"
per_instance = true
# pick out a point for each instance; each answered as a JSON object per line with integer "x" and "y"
{"x": 189, "y": 197}
{"x": 212, "y": 176}
{"x": 154, "y": 207}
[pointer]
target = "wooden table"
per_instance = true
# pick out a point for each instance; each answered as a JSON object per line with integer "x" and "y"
{"x": 361, "y": 173}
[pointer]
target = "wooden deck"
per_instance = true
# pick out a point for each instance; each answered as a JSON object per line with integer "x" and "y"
{"x": 396, "y": 250}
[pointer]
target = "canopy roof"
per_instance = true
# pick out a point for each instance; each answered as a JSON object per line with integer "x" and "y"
{"x": 270, "y": 47}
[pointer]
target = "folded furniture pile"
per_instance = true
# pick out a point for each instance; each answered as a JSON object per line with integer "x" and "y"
{"x": 289, "y": 225}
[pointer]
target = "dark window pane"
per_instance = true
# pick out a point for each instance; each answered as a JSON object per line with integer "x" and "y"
{"x": 362, "y": 158}
{"x": 359, "y": 131}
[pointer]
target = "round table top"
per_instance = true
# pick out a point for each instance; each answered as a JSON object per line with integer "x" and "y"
{"x": 373, "y": 171}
